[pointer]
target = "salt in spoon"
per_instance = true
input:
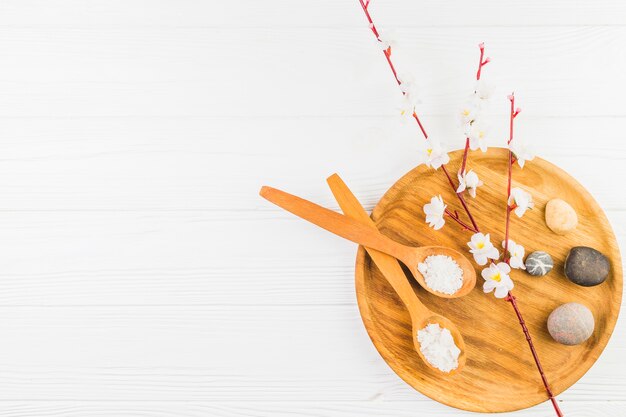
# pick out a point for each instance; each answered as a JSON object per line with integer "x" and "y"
{"x": 420, "y": 315}
{"x": 357, "y": 232}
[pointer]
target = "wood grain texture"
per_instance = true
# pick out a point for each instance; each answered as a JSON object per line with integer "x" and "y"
{"x": 372, "y": 408}
{"x": 158, "y": 72}
{"x": 159, "y": 353}
{"x": 135, "y": 134}
{"x": 500, "y": 374}
{"x": 288, "y": 13}
{"x": 147, "y": 164}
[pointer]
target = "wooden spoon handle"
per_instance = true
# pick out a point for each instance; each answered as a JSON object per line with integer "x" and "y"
{"x": 336, "y": 223}
{"x": 388, "y": 265}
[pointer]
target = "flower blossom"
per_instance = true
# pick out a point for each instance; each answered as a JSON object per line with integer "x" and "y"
{"x": 520, "y": 201}
{"x": 482, "y": 248}
{"x": 386, "y": 39}
{"x": 469, "y": 181}
{"x": 410, "y": 95}
{"x": 516, "y": 254}
{"x": 468, "y": 113}
{"x": 522, "y": 152}
{"x": 477, "y": 135}
{"x": 434, "y": 155}
{"x": 483, "y": 90}
{"x": 408, "y": 85}
{"x": 407, "y": 106}
{"x": 435, "y": 210}
{"x": 497, "y": 277}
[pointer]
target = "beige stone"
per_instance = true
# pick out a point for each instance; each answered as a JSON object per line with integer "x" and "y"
{"x": 560, "y": 216}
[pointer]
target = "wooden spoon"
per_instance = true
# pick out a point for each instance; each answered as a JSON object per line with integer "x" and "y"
{"x": 392, "y": 271}
{"x": 357, "y": 232}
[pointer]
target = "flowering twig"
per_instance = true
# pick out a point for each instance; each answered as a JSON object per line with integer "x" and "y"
{"x": 482, "y": 61}
{"x": 461, "y": 199}
{"x": 509, "y": 207}
{"x": 510, "y": 297}
{"x": 454, "y": 215}
{"x": 387, "y": 52}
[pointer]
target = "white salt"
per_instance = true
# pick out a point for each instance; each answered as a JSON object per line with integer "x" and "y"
{"x": 441, "y": 273}
{"x": 438, "y": 347}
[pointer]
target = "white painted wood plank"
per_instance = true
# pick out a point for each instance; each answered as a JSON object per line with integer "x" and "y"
{"x": 130, "y": 258}
{"x": 134, "y": 136}
{"x": 217, "y": 164}
{"x": 375, "y": 407}
{"x": 298, "y": 13}
{"x": 276, "y": 72}
{"x": 176, "y": 259}
{"x": 246, "y": 353}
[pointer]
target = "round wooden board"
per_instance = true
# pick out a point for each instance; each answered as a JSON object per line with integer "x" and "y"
{"x": 500, "y": 374}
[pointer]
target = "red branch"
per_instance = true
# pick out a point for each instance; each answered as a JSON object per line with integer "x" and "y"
{"x": 481, "y": 62}
{"x": 506, "y": 258}
{"x": 387, "y": 53}
{"x": 455, "y": 216}
{"x": 465, "y": 153}
{"x": 513, "y": 115}
{"x": 420, "y": 125}
{"x": 461, "y": 199}
{"x": 511, "y": 298}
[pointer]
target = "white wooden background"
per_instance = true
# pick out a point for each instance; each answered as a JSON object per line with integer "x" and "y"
{"x": 141, "y": 274}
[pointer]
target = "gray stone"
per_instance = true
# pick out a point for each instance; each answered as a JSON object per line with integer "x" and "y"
{"x": 586, "y": 266}
{"x": 539, "y": 263}
{"x": 571, "y": 324}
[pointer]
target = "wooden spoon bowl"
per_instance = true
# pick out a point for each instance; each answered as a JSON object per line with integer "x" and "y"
{"x": 421, "y": 316}
{"x": 415, "y": 256}
{"x": 418, "y": 323}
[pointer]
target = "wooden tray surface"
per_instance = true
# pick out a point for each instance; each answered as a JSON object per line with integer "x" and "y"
{"x": 500, "y": 374}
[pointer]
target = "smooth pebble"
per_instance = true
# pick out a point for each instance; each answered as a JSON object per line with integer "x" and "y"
{"x": 560, "y": 216}
{"x": 586, "y": 266}
{"x": 539, "y": 263}
{"x": 571, "y": 324}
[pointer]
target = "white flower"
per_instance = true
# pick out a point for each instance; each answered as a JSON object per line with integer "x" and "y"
{"x": 467, "y": 128}
{"x": 410, "y": 96}
{"x": 468, "y": 113}
{"x": 434, "y": 155}
{"x": 435, "y": 210}
{"x": 482, "y": 248}
{"x": 407, "y": 105}
{"x": 483, "y": 90}
{"x": 516, "y": 254}
{"x": 408, "y": 85}
{"x": 386, "y": 39}
{"x": 497, "y": 277}
{"x": 522, "y": 152}
{"x": 478, "y": 134}
{"x": 520, "y": 200}
{"x": 469, "y": 180}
